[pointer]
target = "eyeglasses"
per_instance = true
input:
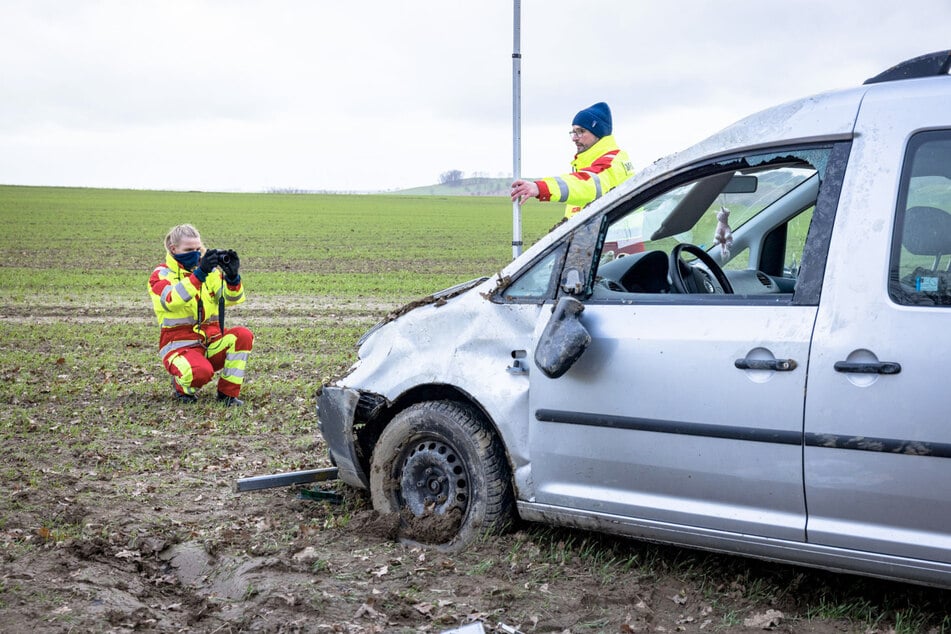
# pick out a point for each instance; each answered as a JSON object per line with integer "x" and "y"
{"x": 579, "y": 132}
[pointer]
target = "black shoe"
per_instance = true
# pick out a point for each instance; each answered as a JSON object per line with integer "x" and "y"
{"x": 229, "y": 401}
{"x": 184, "y": 398}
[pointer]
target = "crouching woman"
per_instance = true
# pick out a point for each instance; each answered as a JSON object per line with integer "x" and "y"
{"x": 189, "y": 293}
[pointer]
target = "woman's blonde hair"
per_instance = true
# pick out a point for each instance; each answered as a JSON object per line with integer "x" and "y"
{"x": 179, "y": 233}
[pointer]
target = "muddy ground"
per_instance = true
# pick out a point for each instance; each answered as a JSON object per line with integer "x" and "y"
{"x": 138, "y": 528}
{"x": 181, "y": 551}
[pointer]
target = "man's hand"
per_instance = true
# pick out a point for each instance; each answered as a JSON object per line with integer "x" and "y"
{"x": 231, "y": 267}
{"x": 523, "y": 190}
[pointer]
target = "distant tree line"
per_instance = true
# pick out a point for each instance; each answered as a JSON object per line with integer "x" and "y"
{"x": 478, "y": 184}
{"x": 455, "y": 177}
{"x": 452, "y": 177}
{"x": 288, "y": 190}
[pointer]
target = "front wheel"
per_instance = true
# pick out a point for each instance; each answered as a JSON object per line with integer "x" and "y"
{"x": 442, "y": 468}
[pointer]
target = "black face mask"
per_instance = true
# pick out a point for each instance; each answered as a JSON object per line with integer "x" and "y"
{"x": 188, "y": 260}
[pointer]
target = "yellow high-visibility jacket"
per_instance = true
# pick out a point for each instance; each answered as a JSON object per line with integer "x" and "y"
{"x": 595, "y": 172}
{"x": 186, "y": 309}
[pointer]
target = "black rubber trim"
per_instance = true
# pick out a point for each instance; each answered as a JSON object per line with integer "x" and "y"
{"x": 670, "y": 427}
{"x": 881, "y": 445}
{"x": 729, "y": 432}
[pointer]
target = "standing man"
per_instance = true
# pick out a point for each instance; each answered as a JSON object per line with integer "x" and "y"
{"x": 598, "y": 167}
{"x": 185, "y": 293}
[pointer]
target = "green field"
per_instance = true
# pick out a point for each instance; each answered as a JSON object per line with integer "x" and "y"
{"x": 318, "y": 270}
{"x": 60, "y": 240}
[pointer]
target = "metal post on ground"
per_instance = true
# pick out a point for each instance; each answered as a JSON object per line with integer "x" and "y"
{"x": 256, "y": 483}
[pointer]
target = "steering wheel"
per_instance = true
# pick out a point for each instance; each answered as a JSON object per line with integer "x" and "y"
{"x": 697, "y": 280}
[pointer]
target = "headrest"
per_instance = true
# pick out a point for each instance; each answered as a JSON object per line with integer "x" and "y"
{"x": 927, "y": 231}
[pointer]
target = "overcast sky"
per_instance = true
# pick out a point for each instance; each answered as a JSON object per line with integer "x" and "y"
{"x": 250, "y": 95}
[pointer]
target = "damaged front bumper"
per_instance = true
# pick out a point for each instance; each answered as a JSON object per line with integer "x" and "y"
{"x": 337, "y": 413}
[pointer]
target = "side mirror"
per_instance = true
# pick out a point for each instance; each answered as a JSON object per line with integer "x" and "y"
{"x": 563, "y": 340}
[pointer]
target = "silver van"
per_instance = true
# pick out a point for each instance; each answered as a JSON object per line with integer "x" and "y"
{"x": 745, "y": 348}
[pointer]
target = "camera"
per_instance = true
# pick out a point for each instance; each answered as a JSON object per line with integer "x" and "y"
{"x": 224, "y": 257}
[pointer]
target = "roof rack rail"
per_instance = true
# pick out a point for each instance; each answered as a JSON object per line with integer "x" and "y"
{"x": 930, "y": 65}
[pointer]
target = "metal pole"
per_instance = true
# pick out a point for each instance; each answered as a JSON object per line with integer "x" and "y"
{"x": 517, "y": 128}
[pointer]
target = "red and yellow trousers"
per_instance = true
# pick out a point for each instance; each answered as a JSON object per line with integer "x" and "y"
{"x": 192, "y": 364}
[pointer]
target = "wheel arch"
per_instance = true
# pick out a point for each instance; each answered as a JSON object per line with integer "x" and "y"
{"x": 370, "y": 429}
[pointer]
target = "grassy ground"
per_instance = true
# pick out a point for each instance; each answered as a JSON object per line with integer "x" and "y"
{"x": 117, "y": 509}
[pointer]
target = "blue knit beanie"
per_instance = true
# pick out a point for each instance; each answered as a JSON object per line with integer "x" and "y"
{"x": 596, "y": 119}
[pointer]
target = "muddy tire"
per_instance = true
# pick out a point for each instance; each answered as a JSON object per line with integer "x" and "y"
{"x": 441, "y": 467}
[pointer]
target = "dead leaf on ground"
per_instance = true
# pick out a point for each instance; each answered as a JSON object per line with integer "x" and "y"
{"x": 367, "y": 610}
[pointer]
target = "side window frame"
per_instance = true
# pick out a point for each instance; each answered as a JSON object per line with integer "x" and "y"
{"x": 812, "y": 267}
{"x": 815, "y": 252}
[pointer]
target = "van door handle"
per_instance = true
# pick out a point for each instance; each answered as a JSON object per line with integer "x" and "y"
{"x": 777, "y": 365}
{"x": 881, "y": 367}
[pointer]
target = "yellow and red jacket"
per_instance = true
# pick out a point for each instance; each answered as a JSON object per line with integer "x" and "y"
{"x": 187, "y": 309}
{"x": 595, "y": 172}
